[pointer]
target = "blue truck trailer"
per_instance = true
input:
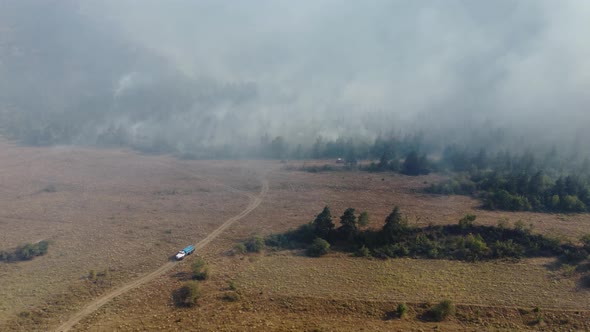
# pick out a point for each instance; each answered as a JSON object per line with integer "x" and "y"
{"x": 185, "y": 252}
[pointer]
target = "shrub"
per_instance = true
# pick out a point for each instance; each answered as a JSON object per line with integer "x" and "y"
{"x": 503, "y": 223}
{"x": 255, "y": 244}
{"x": 240, "y": 248}
{"x": 467, "y": 221}
{"x": 520, "y": 226}
{"x": 472, "y": 248}
{"x": 362, "y": 252}
{"x": 392, "y": 250}
{"x": 401, "y": 310}
{"x": 6, "y": 256}
{"x": 31, "y": 250}
{"x": 318, "y": 247}
{"x": 507, "y": 249}
{"x": 200, "y": 269}
{"x": 572, "y": 203}
{"x": 442, "y": 310}
{"x": 363, "y": 219}
{"x": 187, "y": 295}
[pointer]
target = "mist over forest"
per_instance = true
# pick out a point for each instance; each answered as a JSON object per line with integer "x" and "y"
{"x": 221, "y": 79}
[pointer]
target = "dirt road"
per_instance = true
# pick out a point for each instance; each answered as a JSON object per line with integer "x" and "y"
{"x": 99, "y": 302}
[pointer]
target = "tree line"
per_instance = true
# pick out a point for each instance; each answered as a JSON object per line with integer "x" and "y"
{"x": 516, "y": 182}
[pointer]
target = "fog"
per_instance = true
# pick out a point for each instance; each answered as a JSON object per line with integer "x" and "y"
{"x": 192, "y": 75}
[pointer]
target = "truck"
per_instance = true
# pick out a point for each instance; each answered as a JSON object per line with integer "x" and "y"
{"x": 185, "y": 252}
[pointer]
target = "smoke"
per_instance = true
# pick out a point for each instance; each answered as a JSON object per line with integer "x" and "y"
{"x": 210, "y": 73}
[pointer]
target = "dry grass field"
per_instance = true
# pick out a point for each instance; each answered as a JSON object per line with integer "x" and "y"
{"x": 118, "y": 210}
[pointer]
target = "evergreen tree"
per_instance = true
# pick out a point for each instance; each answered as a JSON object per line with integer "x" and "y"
{"x": 395, "y": 226}
{"x": 415, "y": 164}
{"x": 411, "y": 165}
{"x": 323, "y": 224}
{"x": 349, "y": 226}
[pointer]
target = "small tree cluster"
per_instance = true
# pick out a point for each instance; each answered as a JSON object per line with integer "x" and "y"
{"x": 25, "y": 252}
{"x": 463, "y": 241}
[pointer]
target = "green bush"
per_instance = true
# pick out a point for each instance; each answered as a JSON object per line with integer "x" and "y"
{"x": 363, "y": 252}
{"x": 318, "y": 247}
{"x": 401, "y": 310}
{"x": 467, "y": 221}
{"x": 200, "y": 269}
{"x": 363, "y": 219}
{"x": 442, "y": 310}
{"x": 240, "y": 248}
{"x": 187, "y": 295}
{"x": 507, "y": 249}
{"x": 255, "y": 244}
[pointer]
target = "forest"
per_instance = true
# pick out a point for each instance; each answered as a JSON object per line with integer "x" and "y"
{"x": 517, "y": 182}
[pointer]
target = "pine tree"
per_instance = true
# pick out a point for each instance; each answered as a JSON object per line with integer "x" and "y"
{"x": 323, "y": 224}
{"x": 395, "y": 226}
{"x": 349, "y": 226}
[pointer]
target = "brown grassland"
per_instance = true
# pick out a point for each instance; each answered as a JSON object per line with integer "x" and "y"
{"x": 123, "y": 213}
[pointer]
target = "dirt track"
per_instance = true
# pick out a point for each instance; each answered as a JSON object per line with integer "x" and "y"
{"x": 99, "y": 302}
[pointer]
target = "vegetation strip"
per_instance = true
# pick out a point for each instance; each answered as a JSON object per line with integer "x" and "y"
{"x": 463, "y": 241}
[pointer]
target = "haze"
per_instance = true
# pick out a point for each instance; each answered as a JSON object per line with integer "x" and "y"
{"x": 190, "y": 75}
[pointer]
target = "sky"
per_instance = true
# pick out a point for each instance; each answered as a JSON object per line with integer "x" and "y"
{"x": 230, "y": 71}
